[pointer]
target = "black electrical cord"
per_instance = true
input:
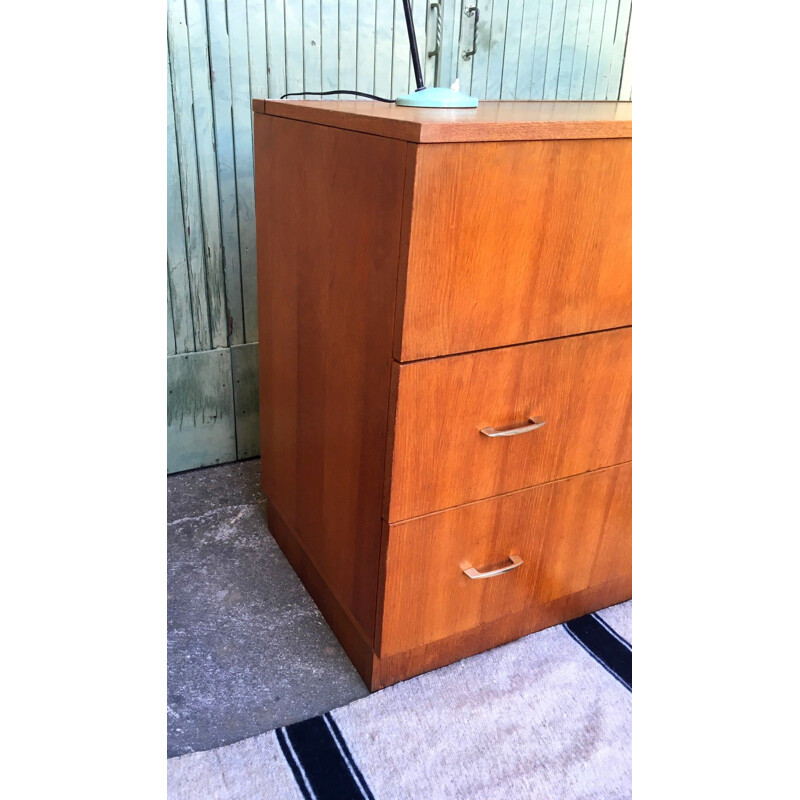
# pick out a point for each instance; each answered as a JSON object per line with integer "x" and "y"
{"x": 340, "y": 91}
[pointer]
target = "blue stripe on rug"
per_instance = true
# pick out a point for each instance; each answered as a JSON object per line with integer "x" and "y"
{"x": 604, "y": 645}
{"x": 321, "y": 762}
{"x": 294, "y": 766}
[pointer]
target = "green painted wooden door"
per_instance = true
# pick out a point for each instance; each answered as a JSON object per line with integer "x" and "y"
{"x": 223, "y": 53}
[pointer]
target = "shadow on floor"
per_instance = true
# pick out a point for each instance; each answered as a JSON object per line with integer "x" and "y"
{"x": 248, "y": 651}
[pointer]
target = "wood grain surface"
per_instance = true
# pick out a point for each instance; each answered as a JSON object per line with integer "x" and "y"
{"x": 328, "y": 210}
{"x": 491, "y": 121}
{"x": 571, "y": 535}
{"x": 404, "y": 665}
{"x": 514, "y": 242}
{"x": 581, "y": 385}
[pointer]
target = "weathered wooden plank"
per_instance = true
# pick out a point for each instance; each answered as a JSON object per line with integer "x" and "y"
{"x": 557, "y": 21}
{"x": 625, "y": 92}
{"x": 540, "y": 49}
{"x": 401, "y": 57}
{"x": 384, "y": 25}
{"x": 593, "y": 48}
{"x": 348, "y": 37}
{"x": 276, "y": 48}
{"x": 511, "y": 61}
{"x": 293, "y": 24}
{"x": 610, "y": 24}
{"x": 243, "y": 146}
{"x": 365, "y": 47}
{"x": 178, "y": 49}
{"x": 569, "y": 44}
{"x": 207, "y": 170}
{"x": 177, "y": 265}
{"x": 451, "y": 23}
{"x": 530, "y": 15}
{"x": 200, "y": 418}
{"x": 244, "y": 369}
{"x": 329, "y": 44}
{"x": 426, "y": 36}
{"x": 581, "y": 49}
{"x": 480, "y": 61}
{"x": 497, "y": 46}
{"x": 312, "y": 46}
{"x": 226, "y": 168}
{"x": 257, "y": 48}
{"x": 419, "y": 14}
{"x": 170, "y": 326}
{"x": 618, "y": 53}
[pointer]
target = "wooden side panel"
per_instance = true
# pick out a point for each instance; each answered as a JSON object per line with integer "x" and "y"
{"x": 329, "y": 209}
{"x": 580, "y": 385}
{"x": 200, "y": 420}
{"x": 516, "y": 241}
{"x": 571, "y": 535}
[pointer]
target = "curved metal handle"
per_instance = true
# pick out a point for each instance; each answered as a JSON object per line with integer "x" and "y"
{"x": 536, "y": 422}
{"x": 467, "y": 54}
{"x": 436, "y": 50}
{"x": 471, "y": 572}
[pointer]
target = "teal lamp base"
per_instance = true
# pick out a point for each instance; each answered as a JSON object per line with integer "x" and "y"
{"x": 437, "y": 97}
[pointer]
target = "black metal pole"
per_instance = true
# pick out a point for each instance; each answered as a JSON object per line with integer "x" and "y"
{"x": 412, "y": 40}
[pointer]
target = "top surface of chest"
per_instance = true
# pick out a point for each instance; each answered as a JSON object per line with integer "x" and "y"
{"x": 491, "y": 121}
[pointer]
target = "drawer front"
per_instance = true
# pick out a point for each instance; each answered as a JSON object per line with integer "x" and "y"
{"x": 580, "y": 386}
{"x": 515, "y": 242}
{"x": 569, "y": 535}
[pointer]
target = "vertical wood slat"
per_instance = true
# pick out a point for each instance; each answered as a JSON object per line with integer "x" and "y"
{"x": 178, "y": 49}
{"x": 170, "y": 324}
{"x": 207, "y": 170}
{"x": 540, "y": 49}
{"x": 452, "y": 11}
{"x": 243, "y": 149}
{"x": 569, "y": 44}
{"x": 177, "y": 264}
{"x": 527, "y": 41}
{"x": 219, "y": 54}
{"x": 276, "y": 48}
{"x": 606, "y": 49}
{"x": 329, "y": 44}
{"x": 348, "y": 37}
{"x": 513, "y": 45}
{"x": 596, "y": 24}
{"x": 244, "y": 373}
{"x": 365, "y": 47}
{"x": 293, "y": 26}
{"x": 557, "y": 22}
{"x": 419, "y": 14}
{"x": 384, "y": 29}
{"x": 401, "y": 58}
{"x": 625, "y": 80}
{"x": 618, "y": 54}
{"x": 312, "y": 46}
{"x": 581, "y": 50}
{"x": 480, "y": 61}
{"x": 497, "y": 46}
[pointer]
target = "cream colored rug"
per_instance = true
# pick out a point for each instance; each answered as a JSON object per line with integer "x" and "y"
{"x": 548, "y": 716}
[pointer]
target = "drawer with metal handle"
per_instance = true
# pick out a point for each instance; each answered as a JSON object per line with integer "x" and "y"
{"x": 459, "y": 569}
{"x": 482, "y": 424}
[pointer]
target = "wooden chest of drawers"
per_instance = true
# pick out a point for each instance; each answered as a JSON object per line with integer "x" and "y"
{"x": 433, "y": 285}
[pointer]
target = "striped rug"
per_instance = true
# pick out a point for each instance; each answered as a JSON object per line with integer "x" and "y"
{"x": 547, "y": 716}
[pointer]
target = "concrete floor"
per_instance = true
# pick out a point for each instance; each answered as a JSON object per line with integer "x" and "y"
{"x": 248, "y": 651}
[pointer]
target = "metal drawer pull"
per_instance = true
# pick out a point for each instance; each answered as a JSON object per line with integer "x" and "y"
{"x": 537, "y": 422}
{"x": 471, "y": 572}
